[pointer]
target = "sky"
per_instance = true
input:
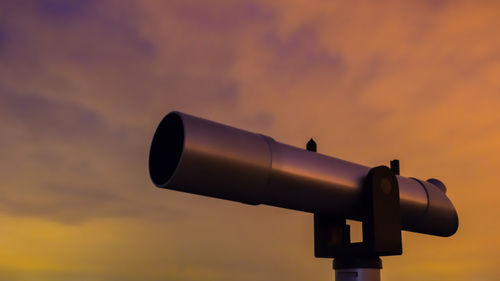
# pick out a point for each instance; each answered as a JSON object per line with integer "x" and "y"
{"x": 84, "y": 83}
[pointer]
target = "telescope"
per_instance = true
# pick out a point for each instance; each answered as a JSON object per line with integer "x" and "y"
{"x": 198, "y": 156}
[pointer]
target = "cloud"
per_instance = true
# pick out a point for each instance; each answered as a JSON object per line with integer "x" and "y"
{"x": 63, "y": 10}
{"x": 63, "y": 158}
{"x": 42, "y": 118}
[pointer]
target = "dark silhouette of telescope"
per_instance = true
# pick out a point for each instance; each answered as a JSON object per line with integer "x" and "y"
{"x": 202, "y": 157}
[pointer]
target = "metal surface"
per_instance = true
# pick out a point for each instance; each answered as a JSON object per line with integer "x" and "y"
{"x": 357, "y": 269}
{"x": 198, "y": 156}
{"x": 357, "y": 274}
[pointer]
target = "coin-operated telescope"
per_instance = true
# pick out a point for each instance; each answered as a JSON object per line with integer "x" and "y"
{"x": 198, "y": 156}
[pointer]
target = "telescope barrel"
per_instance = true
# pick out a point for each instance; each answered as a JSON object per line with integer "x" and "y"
{"x": 199, "y": 156}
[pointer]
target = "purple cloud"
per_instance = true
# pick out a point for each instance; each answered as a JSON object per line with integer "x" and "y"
{"x": 61, "y": 10}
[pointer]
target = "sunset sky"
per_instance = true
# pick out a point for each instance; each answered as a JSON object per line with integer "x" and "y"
{"x": 83, "y": 85}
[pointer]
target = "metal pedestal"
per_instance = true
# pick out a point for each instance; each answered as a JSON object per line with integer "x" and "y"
{"x": 357, "y": 269}
{"x": 357, "y": 274}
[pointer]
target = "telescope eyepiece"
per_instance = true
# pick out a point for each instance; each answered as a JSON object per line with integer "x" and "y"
{"x": 439, "y": 184}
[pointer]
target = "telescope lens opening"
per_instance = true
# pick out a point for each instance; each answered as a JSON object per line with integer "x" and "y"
{"x": 166, "y": 149}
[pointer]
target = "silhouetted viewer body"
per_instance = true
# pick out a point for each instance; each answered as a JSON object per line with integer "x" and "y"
{"x": 198, "y": 156}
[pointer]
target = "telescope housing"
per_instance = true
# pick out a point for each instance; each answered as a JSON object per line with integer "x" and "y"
{"x": 195, "y": 155}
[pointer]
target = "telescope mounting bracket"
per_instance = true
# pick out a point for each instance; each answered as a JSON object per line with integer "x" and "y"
{"x": 381, "y": 224}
